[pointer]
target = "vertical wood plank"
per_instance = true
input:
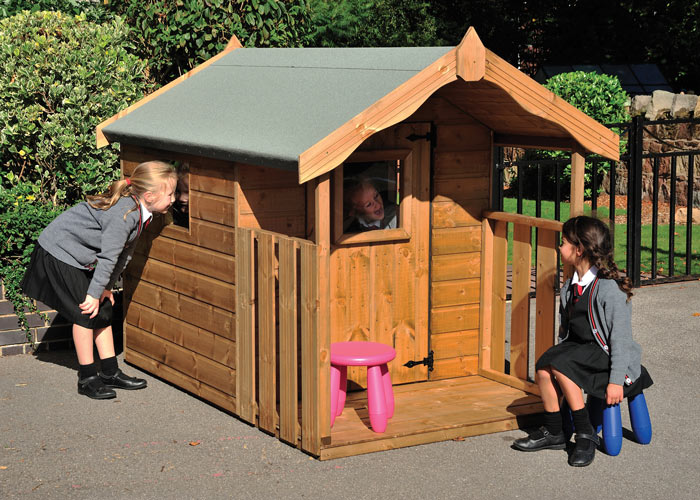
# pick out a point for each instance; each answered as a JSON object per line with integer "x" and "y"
{"x": 578, "y": 169}
{"x": 309, "y": 339}
{"x": 245, "y": 326}
{"x": 288, "y": 341}
{"x": 545, "y": 302}
{"x": 486, "y": 297}
{"x": 520, "y": 303}
{"x": 267, "y": 344}
{"x": 322, "y": 355}
{"x": 498, "y": 316}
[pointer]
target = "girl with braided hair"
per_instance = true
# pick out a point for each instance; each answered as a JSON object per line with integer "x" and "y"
{"x": 596, "y": 352}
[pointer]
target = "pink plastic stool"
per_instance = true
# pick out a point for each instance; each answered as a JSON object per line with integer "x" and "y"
{"x": 380, "y": 395}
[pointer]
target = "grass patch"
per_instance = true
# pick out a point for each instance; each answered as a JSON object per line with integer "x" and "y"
{"x": 620, "y": 238}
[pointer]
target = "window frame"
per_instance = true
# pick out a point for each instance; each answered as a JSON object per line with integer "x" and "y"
{"x": 403, "y": 231}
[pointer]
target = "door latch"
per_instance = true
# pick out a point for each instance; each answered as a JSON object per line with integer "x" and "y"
{"x": 428, "y": 361}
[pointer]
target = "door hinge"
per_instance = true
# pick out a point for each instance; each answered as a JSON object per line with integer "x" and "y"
{"x": 430, "y": 136}
{"x": 428, "y": 361}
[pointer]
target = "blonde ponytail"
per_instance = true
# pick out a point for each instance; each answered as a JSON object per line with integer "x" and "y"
{"x": 148, "y": 176}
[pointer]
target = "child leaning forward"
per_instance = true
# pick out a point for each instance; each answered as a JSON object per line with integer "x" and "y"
{"x": 78, "y": 258}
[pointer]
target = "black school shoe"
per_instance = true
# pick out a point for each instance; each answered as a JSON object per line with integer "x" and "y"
{"x": 121, "y": 381}
{"x": 584, "y": 451}
{"x": 541, "y": 439}
{"x": 94, "y": 388}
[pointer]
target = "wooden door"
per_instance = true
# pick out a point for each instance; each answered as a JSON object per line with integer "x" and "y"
{"x": 380, "y": 288}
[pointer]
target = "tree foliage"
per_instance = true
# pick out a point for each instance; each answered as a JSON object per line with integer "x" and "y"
{"x": 174, "y": 36}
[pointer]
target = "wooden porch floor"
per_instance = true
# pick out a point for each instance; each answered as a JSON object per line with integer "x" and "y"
{"x": 429, "y": 412}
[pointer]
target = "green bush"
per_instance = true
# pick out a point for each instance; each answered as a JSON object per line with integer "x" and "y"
{"x": 174, "y": 36}
{"x": 372, "y": 23}
{"x": 61, "y": 76}
{"x": 599, "y": 96}
{"x": 22, "y": 217}
{"x": 93, "y": 11}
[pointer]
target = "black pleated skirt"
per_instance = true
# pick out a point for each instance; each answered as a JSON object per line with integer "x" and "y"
{"x": 62, "y": 287}
{"x": 588, "y": 366}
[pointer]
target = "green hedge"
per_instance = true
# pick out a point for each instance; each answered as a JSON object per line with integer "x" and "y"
{"x": 93, "y": 11}
{"x": 60, "y": 75}
{"x": 174, "y": 36}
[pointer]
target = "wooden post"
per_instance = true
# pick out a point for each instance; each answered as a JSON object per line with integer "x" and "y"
{"x": 578, "y": 169}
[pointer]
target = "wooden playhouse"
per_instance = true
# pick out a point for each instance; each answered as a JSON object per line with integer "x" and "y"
{"x": 241, "y": 307}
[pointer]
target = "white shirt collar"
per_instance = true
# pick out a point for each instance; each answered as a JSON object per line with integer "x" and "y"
{"x": 145, "y": 213}
{"x": 587, "y": 278}
{"x": 376, "y": 223}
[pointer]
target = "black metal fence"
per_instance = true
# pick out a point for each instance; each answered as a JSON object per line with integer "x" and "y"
{"x": 668, "y": 259}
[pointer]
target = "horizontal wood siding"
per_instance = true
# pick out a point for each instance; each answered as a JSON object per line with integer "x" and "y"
{"x": 180, "y": 286}
{"x": 461, "y": 181}
{"x": 271, "y": 199}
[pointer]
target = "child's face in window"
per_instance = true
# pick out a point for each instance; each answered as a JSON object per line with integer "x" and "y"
{"x": 368, "y": 204}
{"x": 182, "y": 194}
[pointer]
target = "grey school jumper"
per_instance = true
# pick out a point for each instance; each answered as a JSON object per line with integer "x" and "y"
{"x": 613, "y": 318}
{"x": 84, "y": 237}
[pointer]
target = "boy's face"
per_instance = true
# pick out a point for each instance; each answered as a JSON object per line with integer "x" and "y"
{"x": 367, "y": 204}
{"x": 182, "y": 193}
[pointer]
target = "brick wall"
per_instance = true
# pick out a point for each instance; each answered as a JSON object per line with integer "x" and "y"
{"x": 46, "y": 335}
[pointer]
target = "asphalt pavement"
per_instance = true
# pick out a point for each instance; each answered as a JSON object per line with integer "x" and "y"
{"x": 164, "y": 443}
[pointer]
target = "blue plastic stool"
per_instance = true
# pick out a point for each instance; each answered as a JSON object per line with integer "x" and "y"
{"x": 608, "y": 419}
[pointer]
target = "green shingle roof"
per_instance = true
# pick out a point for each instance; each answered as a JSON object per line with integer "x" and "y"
{"x": 267, "y": 106}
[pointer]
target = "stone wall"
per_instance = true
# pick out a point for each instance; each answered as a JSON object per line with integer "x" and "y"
{"x": 669, "y": 138}
{"x": 52, "y": 333}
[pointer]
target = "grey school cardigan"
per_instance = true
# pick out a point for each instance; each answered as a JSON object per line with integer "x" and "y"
{"x": 612, "y": 315}
{"x": 85, "y": 237}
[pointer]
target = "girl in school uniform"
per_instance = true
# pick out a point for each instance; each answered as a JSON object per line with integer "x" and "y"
{"x": 79, "y": 256}
{"x": 596, "y": 352}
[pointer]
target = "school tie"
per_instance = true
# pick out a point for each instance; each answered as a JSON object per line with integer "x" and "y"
{"x": 578, "y": 291}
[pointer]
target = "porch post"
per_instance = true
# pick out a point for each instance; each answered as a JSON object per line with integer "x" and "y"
{"x": 578, "y": 169}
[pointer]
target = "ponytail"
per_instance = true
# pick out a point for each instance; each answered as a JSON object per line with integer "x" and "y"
{"x": 148, "y": 176}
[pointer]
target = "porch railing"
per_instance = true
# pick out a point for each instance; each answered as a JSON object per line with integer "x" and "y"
{"x": 277, "y": 324}
{"x": 492, "y": 360}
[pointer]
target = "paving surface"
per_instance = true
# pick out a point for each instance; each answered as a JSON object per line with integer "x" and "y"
{"x": 163, "y": 443}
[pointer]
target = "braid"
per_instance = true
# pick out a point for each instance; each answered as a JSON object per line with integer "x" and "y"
{"x": 594, "y": 237}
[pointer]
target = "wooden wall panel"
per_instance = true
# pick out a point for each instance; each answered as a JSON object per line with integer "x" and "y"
{"x": 194, "y": 285}
{"x": 195, "y": 312}
{"x": 271, "y": 199}
{"x": 191, "y": 257}
{"x": 461, "y": 192}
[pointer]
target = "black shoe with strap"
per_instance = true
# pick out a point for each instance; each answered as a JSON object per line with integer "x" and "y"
{"x": 121, "y": 381}
{"x": 541, "y": 439}
{"x": 584, "y": 451}
{"x": 93, "y": 387}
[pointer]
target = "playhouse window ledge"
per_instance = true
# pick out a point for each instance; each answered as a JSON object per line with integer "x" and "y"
{"x": 374, "y": 236}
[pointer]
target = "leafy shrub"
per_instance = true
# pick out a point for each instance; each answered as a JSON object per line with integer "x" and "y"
{"x": 22, "y": 217}
{"x": 176, "y": 35}
{"x": 599, "y": 96}
{"x": 61, "y": 76}
{"x": 372, "y": 23}
{"x": 93, "y": 11}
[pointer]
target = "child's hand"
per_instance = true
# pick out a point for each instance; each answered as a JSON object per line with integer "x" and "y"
{"x": 90, "y": 306}
{"x": 107, "y": 294}
{"x": 614, "y": 394}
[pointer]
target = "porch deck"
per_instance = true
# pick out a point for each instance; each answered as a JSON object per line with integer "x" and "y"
{"x": 432, "y": 411}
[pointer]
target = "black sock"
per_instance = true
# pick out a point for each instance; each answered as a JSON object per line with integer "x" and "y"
{"x": 109, "y": 366}
{"x": 85, "y": 371}
{"x": 552, "y": 421}
{"x": 582, "y": 423}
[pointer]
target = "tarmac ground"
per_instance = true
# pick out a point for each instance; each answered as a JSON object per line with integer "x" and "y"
{"x": 162, "y": 442}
